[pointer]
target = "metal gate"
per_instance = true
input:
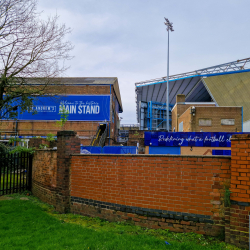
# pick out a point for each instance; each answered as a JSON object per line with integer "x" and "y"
{"x": 15, "y": 173}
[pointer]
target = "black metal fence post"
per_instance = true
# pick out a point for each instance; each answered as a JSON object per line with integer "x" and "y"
{"x": 15, "y": 173}
{"x": 30, "y": 172}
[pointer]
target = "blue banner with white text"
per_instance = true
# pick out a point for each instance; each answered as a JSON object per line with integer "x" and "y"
{"x": 188, "y": 139}
{"x": 79, "y": 108}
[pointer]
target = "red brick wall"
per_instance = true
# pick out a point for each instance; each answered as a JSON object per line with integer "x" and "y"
{"x": 67, "y": 143}
{"x": 237, "y": 230}
{"x": 180, "y": 193}
{"x": 180, "y": 184}
{"x": 240, "y": 179}
{"x": 50, "y": 173}
{"x": 135, "y": 137}
{"x": 44, "y": 173}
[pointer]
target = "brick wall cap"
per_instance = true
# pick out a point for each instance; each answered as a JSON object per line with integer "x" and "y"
{"x": 46, "y": 149}
{"x": 144, "y": 155}
{"x": 240, "y": 137}
{"x": 66, "y": 133}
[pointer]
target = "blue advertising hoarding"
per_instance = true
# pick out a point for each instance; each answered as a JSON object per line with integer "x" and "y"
{"x": 188, "y": 139}
{"x": 109, "y": 150}
{"x": 79, "y": 107}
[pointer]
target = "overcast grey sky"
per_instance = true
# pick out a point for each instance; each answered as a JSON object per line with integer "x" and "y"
{"x": 128, "y": 39}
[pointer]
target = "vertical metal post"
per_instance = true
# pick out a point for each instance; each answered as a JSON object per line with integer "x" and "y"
{"x": 4, "y": 174}
{"x": 7, "y": 179}
{"x": 110, "y": 112}
{"x": 148, "y": 117}
{"x": 169, "y": 27}
{"x": 1, "y": 160}
{"x": 151, "y": 115}
{"x": 167, "y": 91}
{"x": 16, "y": 108}
{"x": 242, "y": 121}
{"x": 14, "y": 173}
{"x": 29, "y": 172}
{"x": 10, "y": 168}
{"x": 20, "y": 174}
{"x": 17, "y": 156}
{"x": 23, "y": 169}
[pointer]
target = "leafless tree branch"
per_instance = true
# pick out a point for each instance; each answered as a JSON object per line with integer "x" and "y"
{"x": 30, "y": 48}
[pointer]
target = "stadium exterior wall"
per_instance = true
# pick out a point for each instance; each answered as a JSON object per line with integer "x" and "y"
{"x": 182, "y": 113}
{"x": 180, "y": 108}
{"x": 215, "y": 115}
{"x": 85, "y": 129}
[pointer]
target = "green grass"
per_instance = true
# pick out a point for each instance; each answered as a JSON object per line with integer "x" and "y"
{"x": 35, "y": 225}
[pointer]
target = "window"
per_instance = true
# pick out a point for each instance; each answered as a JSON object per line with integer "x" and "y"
{"x": 181, "y": 127}
{"x": 229, "y": 122}
{"x": 205, "y": 122}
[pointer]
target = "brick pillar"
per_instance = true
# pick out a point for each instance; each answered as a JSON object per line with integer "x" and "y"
{"x": 238, "y": 228}
{"x": 67, "y": 143}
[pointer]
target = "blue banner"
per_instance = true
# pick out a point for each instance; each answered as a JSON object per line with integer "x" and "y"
{"x": 79, "y": 107}
{"x": 109, "y": 150}
{"x": 188, "y": 139}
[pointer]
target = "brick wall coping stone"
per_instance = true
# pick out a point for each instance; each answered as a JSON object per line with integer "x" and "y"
{"x": 46, "y": 149}
{"x": 240, "y": 137}
{"x": 240, "y": 203}
{"x": 143, "y": 155}
{"x": 66, "y": 133}
{"x": 144, "y": 211}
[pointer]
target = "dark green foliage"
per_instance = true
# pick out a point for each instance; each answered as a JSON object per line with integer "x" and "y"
{"x": 13, "y": 139}
{"x": 4, "y": 149}
{"x": 43, "y": 146}
{"x": 50, "y": 137}
{"x": 227, "y": 197}
{"x": 20, "y": 149}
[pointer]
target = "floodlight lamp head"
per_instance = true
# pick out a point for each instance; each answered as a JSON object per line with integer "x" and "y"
{"x": 169, "y": 25}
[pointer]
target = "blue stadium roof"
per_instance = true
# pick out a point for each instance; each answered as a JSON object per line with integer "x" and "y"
{"x": 191, "y": 84}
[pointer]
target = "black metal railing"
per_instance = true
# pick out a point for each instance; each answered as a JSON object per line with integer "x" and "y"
{"x": 95, "y": 137}
{"x": 103, "y": 138}
{"x": 15, "y": 173}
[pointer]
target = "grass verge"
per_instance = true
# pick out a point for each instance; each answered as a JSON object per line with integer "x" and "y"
{"x": 31, "y": 224}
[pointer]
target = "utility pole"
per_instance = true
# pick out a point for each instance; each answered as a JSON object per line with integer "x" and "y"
{"x": 169, "y": 27}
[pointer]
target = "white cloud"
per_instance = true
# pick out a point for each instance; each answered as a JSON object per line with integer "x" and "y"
{"x": 127, "y": 39}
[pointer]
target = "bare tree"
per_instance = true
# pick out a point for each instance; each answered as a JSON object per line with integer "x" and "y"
{"x": 32, "y": 55}
{"x": 13, "y": 14}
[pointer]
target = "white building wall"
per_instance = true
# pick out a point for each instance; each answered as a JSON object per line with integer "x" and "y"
{"x": 246, "y": 126}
